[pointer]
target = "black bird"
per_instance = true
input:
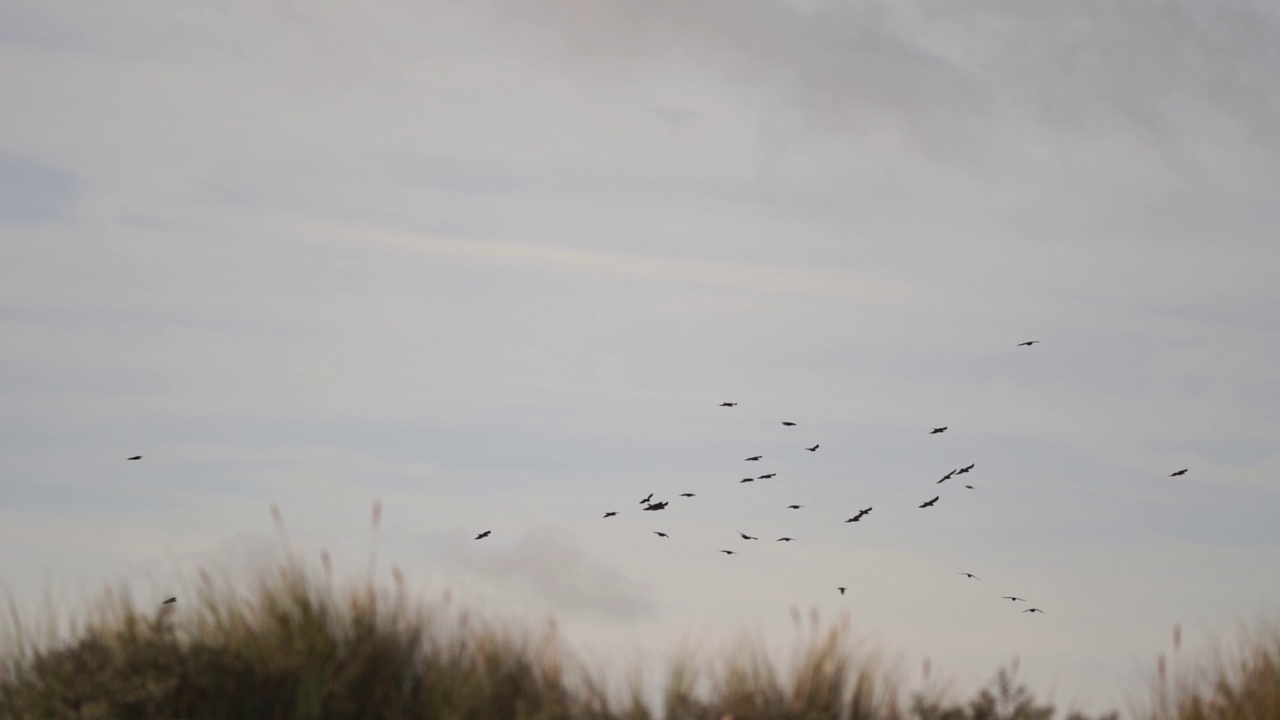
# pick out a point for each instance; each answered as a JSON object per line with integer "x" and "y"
{"x": 970, "y": 575}
{"x": 855, "y": 518}
{"x": 766, "y": 477}
{"x": 610, "y": 514}
{"x": 661, "y": 534}
{"x": 794, "y": 507}
{"x": 687, "y": 495}
{"x": 483, "y": 535}
{"x": 1014, "y": 599}
{"x": 946, "y": 477}
{"x": 841, "y": 590}
{"x": 728, "y": 404}
{"x": 813, "y": 449}
{"x": 657, "y": 506}
{"x": 647, "y": 499}
{"x": 135, "y": 457}
{"x": 754, "y": 458}
{"x": 746, "y": 536}
{"x": 170, "y": 601}
{"x": 935, "y": 431}
{"x": 965, "y": 469}
{"x": 1180, "y": 472}
{"x": 968, "y": 487}
{"x": 788, "y": 423}
{"x": 1033, "y": 610}
{"x": 1028, "y": 343}
{"x": 930, "y": 503}
{"x": 728, "y": 552}
{"x": 747, "y": 480}
{"x": 784, "y": 539}
{"x": 861, "y": 513}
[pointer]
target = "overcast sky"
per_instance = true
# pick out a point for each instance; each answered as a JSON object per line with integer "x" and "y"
{"x": 497, "y": 263}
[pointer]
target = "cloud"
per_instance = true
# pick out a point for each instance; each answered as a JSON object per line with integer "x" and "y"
{"x": 551, "y": 567}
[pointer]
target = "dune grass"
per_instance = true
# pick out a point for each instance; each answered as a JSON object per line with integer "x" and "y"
{"x": 297, "y": 644}
{"x": 1240, "y": 683}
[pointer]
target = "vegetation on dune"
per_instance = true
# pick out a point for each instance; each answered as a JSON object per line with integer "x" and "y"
{"x": 297, "y": 645}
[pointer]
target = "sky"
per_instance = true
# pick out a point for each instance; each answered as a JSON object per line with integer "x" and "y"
{"x": 496, "y": 264}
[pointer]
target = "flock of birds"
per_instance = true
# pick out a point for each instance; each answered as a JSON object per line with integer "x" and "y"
{"x": 651, "y": 506}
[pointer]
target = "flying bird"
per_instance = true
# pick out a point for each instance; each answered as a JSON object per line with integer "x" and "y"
{"x": 766, "y": 477}
{"x": 728, "y": 404}
{"x": 687, "y": 495}
{"x": 170, "y": 601}
{"x": 728, "y": 552}
{"x": 930, "y": 503}
{"x": 610, "y": 514}
{"x": 841, "y": 590}
{"x": 788, "y": 423}
{"x": 1028, "y": 343}
{"x": 937, "y": 430}
{"x": 965, "y": 469}
{"x": 135, "y": 457}
{"x": 754, "y": 458}
{"x": 661, "y": 534}
{"x": 746, "y": 536}
{"x": 647, "y": 499}
{"x": 483, "y": 535}
{"x": 1180, "y": 472}
{"x": 970, "y": 575}
{"x": 784, "y": 539}
{"x": 864, "y": 511}
{"x": 657, "y": 506}
{"x": 946, "y": 477}
{"x": 794, "y": 507}
{"x": 813, "y": 449}
{"x": 1033, "y": 610}
{"x": 968, "y": 487}
{"x": 1014, "y": 599}
{"x": 747, "y": 480}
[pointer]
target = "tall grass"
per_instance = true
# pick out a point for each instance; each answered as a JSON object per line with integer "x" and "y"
{"x": 296, "y": 643}
{"x": 1240, "y": 683}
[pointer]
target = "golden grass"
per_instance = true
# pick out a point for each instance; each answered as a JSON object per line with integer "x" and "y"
{"x": 297, "y": 644}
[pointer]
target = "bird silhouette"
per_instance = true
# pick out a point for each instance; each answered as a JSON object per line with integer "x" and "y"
{"x": 841, "y": 590}
{"x": 657, "y": 506}
{"x": 1028, "y": 343}
{"x": 855, "y": 518}
{"x": 965, "y": 469}
{"x": 946, "y": 477}
{"x": 930, "y": 503}
{"x": 970, "y": 575}
{"x": 861, "y": 513}
{"x": 1012, "y": 598}
{"x": 170, "y": 601}
{"x": 483, "y": 535}
{"x": 794, "y": 507}
{"x": 937, "y": 430}
{"x": 610, "y": 514}
{"x": 746, "y": 536}
{"x": 728, "y": 552}
{"x": 784, "y": 539}
{"x": 747, "y": 480}
{"x": 968, "y": 487}
{"x": 647, "y": 499}
{"x": 135, "y": 457}
{"x": 661, "y": 534}
{"x": 813, "y": 449}
{"x": 754, "y": 458}
{"x": 767, "y": 476}
{"x": 687, "y": 495}
{"x": 1033, "y": 610}
{"x": 728, "y": 404}
{"x": 788, "y": 423}
{"x": 1180, "y": 472}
